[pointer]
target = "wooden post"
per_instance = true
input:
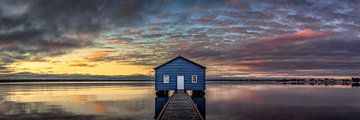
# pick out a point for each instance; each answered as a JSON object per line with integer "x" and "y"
{"x": 162, "y": 93}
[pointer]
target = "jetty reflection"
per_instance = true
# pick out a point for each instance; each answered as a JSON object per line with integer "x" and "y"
{"x": 161, "y": 100}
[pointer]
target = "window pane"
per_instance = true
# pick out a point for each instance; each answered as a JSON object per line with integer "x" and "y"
{"x": 166, "y": 78}
{"x": 194, "y": 78}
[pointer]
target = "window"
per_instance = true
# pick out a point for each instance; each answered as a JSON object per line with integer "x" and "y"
{"x": 194, "y": 79}
{"x": 166, "y": 78}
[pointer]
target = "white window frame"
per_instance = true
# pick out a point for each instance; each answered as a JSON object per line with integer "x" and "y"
{"x": 166, "y": 78}
{"x": 194, "y": 80}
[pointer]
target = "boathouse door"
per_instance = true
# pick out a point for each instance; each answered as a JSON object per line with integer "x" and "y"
{"x": 180, "y": 82}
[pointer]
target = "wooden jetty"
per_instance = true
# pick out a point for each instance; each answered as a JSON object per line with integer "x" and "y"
{"x": 180, "y": 107}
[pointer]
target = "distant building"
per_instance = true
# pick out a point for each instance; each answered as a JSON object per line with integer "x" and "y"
{"x": 180, "y": 73}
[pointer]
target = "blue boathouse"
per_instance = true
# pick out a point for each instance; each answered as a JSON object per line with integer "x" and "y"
{"x": 180, "y": 73}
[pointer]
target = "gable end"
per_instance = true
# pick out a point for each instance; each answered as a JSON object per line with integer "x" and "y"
{"x": 178, "y": 57}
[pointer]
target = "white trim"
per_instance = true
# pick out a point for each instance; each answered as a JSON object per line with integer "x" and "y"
{"x": 166, "y": 78}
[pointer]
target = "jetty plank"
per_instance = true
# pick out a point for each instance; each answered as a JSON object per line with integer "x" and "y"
{"x": 180, "y": 107}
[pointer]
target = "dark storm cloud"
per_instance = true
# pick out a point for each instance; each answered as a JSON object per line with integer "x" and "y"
{"x": 40, "y": 28}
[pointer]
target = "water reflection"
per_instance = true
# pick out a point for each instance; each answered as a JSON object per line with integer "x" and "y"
{"x": 199, "y": 101}
{"x": 223, "y": 101}
{"x": 160, "y": 102}
{"x": 282, "y": 102}
{"x": 76, "y": 101}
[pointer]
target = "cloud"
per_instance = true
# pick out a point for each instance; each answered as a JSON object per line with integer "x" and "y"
{"x": 38, "y": 29}
{"x": 32, "y": 76}
{"x": 224, "y": 35}
{"x": 5, "y": 70}
{"x": 95, "y": 56}
{"x": 81, "y": 64}
{"x": 302, "y": 35}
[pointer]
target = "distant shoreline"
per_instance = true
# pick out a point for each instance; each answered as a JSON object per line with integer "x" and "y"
{"x": 356, "y": 80}
{"x": 347, "y": 82}
{"x": 73, "y": 80}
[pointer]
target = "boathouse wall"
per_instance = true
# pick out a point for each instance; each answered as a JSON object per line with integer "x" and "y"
{"x": 180, "y": 66}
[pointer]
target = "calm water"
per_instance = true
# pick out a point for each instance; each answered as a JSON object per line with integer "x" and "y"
{"x": 129, "y": 100}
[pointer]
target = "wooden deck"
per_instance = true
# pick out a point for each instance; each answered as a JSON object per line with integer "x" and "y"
{"x": 180, "y": 107}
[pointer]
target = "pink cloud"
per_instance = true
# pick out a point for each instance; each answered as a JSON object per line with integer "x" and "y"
{"x": 8, "y": 43}
{"x": 301, "y": 35}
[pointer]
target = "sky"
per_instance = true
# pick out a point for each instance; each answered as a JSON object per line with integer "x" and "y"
{"x": 233, "y": 38}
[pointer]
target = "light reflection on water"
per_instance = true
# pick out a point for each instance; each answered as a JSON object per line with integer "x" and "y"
{"x": 282, "y": 102}
{"x": 77, "y": 101}
{"x": 136, "y": 100}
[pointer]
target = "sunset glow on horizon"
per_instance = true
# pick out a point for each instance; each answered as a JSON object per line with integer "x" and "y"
{"x": 79, "y": 62}
{"x": 232, "y": 38}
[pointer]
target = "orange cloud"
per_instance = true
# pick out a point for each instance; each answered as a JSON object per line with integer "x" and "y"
{"x": 96, "y": 55}
{"x": 80, "y": 64}
{"x": 301, "y": 35}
